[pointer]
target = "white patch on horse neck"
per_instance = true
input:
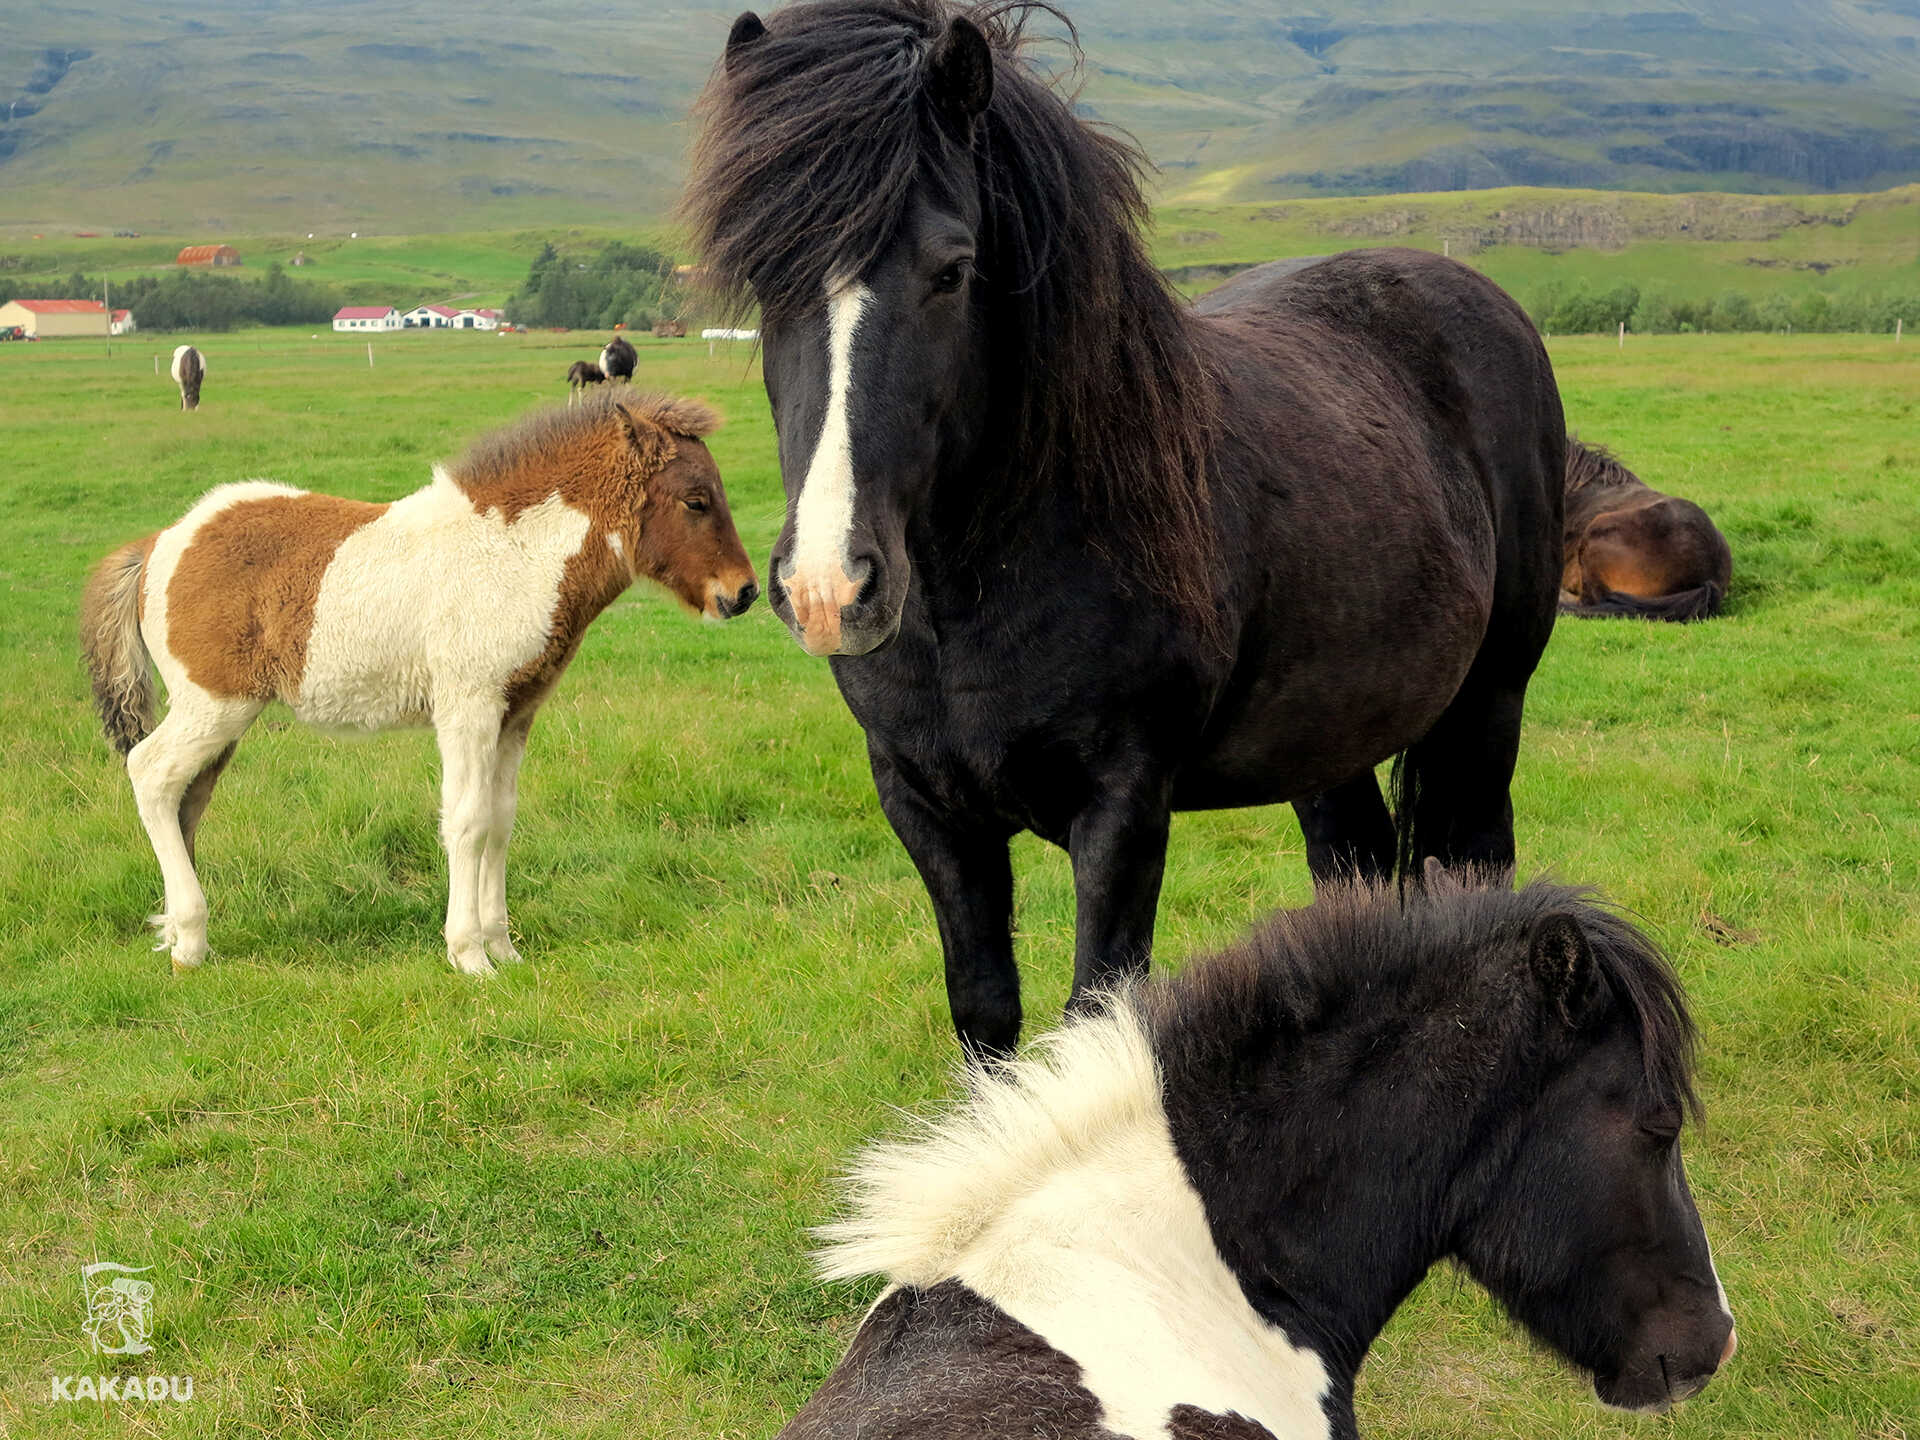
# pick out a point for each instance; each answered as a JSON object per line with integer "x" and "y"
{"x": 823, "y": 516}
{"x": 433, "y": 599}
{"x": 1056, "y": 1193}
{"x": 179, "y": 354}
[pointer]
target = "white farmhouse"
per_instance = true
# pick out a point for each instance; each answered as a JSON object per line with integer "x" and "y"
{"x": 366, "y": 317}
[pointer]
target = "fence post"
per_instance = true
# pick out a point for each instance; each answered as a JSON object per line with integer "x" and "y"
{"x": 369, "y": 354}
{"x": 1898, "y": 326}
{"x": 1623, "y": 336}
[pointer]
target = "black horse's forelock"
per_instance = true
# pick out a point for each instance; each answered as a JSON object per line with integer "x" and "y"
{"x": 811, "y": 141}
{"x": 1301, "y": 962}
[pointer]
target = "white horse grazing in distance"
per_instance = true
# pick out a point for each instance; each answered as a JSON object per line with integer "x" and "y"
{"x": 189, "y": 369}
{"x": 457, "y": 607}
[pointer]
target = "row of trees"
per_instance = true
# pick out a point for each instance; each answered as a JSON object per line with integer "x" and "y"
{"x": 1564, "y": 310}
{"x": 621, "y": 284}
{"x": 198, "y": 299}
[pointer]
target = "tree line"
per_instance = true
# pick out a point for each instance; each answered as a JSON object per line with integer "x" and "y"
{"x": 197, "y": 299}
{"x": 621, "y": 284}
{"x": 1577, "y": 310}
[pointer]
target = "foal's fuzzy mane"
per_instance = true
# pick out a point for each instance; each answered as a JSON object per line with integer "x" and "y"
{"x": 916, "y": 1204}
{"x": 556, "y": 426}
{"x": 1594, "y": 465}
{"x": 813, "y": 138}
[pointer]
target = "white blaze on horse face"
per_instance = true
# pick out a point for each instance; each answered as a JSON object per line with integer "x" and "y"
{"x": 816, "y": 580}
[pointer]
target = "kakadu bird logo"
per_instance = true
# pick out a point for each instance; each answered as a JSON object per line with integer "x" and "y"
{"x": 119, "y": 1308}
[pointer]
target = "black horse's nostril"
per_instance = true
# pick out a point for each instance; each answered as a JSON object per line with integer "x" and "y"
{"x": 748, "y": 593}
{"x": 869, "y": 583}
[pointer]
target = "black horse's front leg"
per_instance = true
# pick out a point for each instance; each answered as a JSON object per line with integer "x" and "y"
{"x": 1119, "y": 850}
{"x": 969, "y": 878}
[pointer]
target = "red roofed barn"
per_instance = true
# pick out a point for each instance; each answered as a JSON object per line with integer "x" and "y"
{"x": 45, "y": 319}
{"x": 208, "y": 255}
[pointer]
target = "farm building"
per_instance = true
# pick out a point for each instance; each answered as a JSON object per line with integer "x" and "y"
{"x": 208, "y": 255}
{"x": 449, "y": 317}
{"x": 366, "y": 317}
{"x": 46, "y": 319}
{"x": 429, "y": 317}
{"x": 123, "y": 322}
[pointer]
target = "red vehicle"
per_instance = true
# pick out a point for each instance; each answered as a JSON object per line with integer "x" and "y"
{"x": 13, "y": 332}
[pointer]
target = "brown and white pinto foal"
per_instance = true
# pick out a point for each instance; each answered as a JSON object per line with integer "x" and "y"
{"x": 458, "y": 607}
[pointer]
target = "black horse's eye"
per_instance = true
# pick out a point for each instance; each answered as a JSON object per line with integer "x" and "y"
{"x": 950, "y": 278}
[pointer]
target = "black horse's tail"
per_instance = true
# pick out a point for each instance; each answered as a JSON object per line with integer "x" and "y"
{"x": 1700, "y": 603}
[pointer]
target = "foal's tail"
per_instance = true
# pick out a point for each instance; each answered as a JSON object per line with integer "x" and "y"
{"x": 1700, "y": 603}
{"x": 116, "y": 653}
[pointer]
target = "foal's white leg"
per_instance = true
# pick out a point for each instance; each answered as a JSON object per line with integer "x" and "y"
{"x": 198, "y": 726}
{"x": 493, "y": 863}
{"x": 469, "y": 736}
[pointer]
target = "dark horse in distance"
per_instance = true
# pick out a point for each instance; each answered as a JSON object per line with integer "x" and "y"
{"x": 1632, "y": 551}
{"x": 1083, "y": 555}
{"x": 1190, "y": 1214}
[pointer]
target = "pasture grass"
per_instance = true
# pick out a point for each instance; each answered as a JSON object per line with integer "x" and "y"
{"x": 382, "y": 1199}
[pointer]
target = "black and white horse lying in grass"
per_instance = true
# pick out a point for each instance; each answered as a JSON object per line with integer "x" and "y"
{"x": 1189, "y": 1215}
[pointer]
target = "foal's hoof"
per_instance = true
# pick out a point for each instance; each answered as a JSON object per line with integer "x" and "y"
{"x": 189, "y": 950}
{"x": 469, "y": 959}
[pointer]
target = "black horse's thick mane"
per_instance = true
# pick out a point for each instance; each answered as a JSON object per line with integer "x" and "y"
{"x": 1302, "y": 965}
{"x": 811, "y": 141}
{"x": 1594, "y": 465}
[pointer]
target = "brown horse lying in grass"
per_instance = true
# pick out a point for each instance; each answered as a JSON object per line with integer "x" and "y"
{"x": 457, "y": 606}
{"x": 1633, "y": 551}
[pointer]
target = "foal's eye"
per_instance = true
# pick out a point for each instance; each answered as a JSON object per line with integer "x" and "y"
{"x": 950, "y": 279}
{"x": 697, "y": 504}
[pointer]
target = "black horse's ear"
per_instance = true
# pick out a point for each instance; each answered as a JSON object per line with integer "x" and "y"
{"x": 1564, "y": 961}
{"x": 960, "y": 72}
{"x": 747, "y": 29}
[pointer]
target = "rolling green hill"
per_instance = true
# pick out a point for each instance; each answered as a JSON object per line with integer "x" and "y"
{"x": 258, "y": 116}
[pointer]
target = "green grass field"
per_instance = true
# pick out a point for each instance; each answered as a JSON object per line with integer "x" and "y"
{"x": 381, "y": 1199}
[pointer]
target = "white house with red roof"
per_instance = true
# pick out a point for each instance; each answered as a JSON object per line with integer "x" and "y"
{"x": 430, "y": 317}
{"x": 46, "y": 319}
{"x": 123, "y": 322}
{"x": 450, "y": 317}
{"x": 366, "y": 317}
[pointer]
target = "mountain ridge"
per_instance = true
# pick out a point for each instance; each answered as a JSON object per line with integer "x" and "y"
{"x": 265, "y": 114}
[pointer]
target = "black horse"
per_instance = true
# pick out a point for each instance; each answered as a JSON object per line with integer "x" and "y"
{"x": 1084, "y": 555}
{"x": 1190, "y": 1215}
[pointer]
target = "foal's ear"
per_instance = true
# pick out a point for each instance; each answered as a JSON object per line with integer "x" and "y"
{"x": 1440, "y": 880}
{"x": 747, "y": 29}
{"x": 650, "y": 442}
{"x": 1564, "y": 961}
{"x": 960, "y": 72}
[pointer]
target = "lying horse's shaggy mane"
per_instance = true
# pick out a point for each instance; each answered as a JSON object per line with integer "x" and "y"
{"x": 811, "y": 140}
{"x": 498, "y": 454}
{"x": 1594, "y": 465}
{"x": 1301, "y": 964}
